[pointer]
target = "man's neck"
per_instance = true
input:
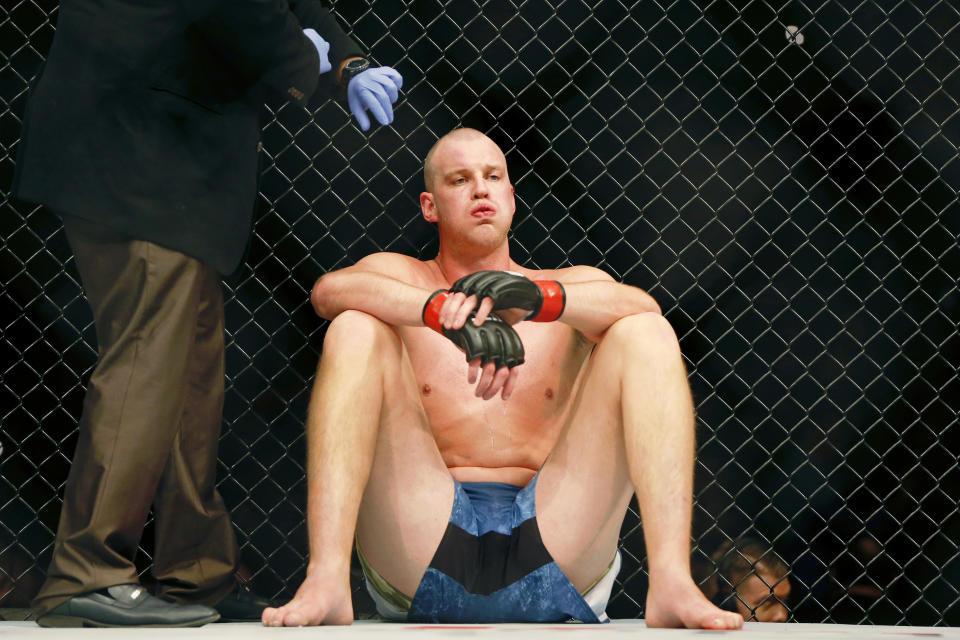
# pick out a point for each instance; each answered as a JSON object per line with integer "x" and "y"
{"x": 453, "y": 267}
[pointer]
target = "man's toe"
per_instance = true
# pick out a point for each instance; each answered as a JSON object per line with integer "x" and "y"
{"x": 294, "y": 619}
{"x": 732, "y": 621}
{"x": 270, "y": 615}
{"x": 722, "y": 621}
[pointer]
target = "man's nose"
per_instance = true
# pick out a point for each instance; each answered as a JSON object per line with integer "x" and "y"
{"x": 480, "y": 189}
{"x": 778, "y": 614}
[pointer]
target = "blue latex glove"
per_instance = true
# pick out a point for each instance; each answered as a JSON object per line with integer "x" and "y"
{"x": 374, "y": 89}
{"x": 323, "y": 48}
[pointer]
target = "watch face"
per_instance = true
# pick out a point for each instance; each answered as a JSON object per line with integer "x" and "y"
{"x": 353, "y": 68}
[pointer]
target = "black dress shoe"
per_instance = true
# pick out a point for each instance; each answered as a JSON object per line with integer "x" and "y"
{"x": 125, "y": 605}
{"x": 242, "y": 605}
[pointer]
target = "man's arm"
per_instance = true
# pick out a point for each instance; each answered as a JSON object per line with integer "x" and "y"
{"x": 263, "y": 41}
{"x": 594, "y": 301}
{"x": 366, "y": 287}
{"x": 313, "y": 14}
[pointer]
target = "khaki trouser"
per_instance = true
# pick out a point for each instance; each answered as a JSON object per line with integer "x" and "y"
{"x": 150, "y": 426}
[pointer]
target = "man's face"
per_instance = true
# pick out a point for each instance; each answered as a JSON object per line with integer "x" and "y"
{"x": 470, "y": 196}
{"x": 762, "y": 597}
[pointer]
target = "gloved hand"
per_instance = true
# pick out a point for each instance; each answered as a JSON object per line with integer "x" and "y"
{"x": 544, "y": 300}
{"x": 493, "y": 341}
{"x": 375, "y": 89}
{"x": 323, "y": 48}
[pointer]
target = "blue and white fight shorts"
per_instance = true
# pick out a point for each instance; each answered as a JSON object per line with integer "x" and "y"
{"x": 491, "y": 566}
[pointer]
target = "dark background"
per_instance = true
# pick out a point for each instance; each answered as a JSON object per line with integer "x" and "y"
{"x": 793, "y": 207}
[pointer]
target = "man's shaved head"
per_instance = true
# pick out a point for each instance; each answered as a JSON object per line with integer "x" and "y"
{"x": 429, "y": 171}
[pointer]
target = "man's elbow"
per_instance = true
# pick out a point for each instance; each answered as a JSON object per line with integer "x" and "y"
{"x": 652, "y": 306}
{"x": 646, "y": 304}
{"x": 321, "y": 296}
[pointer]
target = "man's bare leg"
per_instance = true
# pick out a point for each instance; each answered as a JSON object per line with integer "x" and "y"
{"x": 631, "y": 429}
{"x": 368, "y": 441}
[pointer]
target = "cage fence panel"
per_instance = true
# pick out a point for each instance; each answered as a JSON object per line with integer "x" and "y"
{"x": 781, "y": 176}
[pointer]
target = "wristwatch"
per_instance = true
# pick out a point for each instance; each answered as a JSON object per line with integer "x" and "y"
{"x": 353, "y": 68}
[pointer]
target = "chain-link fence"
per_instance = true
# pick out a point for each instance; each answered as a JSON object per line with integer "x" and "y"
{"x": 781, "y": 176}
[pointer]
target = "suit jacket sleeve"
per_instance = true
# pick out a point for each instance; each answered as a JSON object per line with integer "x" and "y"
{"x": 263, "y": 41}
{"x": 316, "y": 16}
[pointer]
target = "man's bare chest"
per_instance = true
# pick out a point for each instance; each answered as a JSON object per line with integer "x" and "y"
{"x": 554, "y": 358}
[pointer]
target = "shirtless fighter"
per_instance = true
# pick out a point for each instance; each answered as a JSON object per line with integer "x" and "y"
{"x": 467, "y": 506}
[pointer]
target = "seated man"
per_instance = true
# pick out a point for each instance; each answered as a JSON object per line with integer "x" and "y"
{"x": 466, "y": 508}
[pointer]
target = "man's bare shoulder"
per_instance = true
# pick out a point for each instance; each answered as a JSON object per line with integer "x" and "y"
{"x": 395, "y": 265}
{"x": 576, "y": 273}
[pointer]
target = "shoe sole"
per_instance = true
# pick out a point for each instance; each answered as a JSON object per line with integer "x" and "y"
{"x": 238, "y": 620}
{"x": 59, "y": 621}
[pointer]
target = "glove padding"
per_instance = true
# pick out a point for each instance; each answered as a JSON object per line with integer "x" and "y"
{"x": 513, "y": 291}
{"x": 494, "y": 340}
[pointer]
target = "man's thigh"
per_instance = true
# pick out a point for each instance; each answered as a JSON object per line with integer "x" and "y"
{"x": 407, "y": 501}
{"x": 584, "y": 486}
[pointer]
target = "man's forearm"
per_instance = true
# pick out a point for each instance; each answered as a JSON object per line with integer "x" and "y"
{"x": 393, "y": 301}
{"x": 592, "y": 307}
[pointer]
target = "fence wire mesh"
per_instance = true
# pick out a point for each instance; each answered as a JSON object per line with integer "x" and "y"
{"x": 781, "y": 176}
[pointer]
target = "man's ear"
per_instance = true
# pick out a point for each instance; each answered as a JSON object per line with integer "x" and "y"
{"x": 428, "y": 207}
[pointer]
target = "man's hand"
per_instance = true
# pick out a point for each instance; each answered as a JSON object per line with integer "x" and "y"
{"x": 493, "y": 348}
{"x": 375, "y": 90}
{"x": 543, "y": 300}
{"x": 493, "y": 342}
{"x": 323, "y": 49}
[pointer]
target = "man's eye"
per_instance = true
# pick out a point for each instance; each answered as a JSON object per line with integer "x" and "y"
{"x": 494, "y": 176}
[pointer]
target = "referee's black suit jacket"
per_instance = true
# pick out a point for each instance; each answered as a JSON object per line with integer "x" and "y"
{"x": 145, "y": 118}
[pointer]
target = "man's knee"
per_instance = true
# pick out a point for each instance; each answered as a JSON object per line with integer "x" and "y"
{"x": 650, "y": 333}
{"x": 355, "y": 333}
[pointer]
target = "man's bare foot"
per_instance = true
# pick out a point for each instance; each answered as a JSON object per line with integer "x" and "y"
{"x": 679, "y": 603}
{"x": 316, "y": 602}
